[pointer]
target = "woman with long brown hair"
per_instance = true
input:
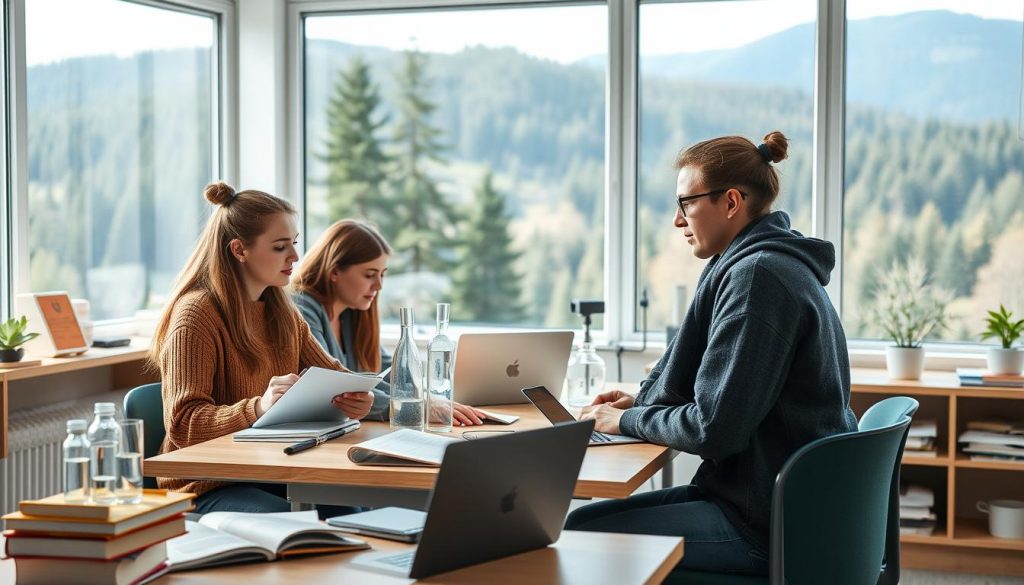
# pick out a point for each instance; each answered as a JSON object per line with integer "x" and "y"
{"x": 336, "y": 290}
{"x": 230, "y": 343}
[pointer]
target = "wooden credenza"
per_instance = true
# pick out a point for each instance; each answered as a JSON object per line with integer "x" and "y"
{"x": 126, "y": 365}
{"x": 961, "y": 541}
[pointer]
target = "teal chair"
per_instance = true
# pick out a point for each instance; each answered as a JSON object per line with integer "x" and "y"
{"x": 835, "y": 508}
{"x": 145, "y": 402}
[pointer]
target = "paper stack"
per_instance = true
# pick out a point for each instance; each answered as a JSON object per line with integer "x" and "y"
{"x": 89, "y": 544}
{"x": 921, "y": 439}
{"x": 917, "y": 515}
{"x": 994, "y": 440}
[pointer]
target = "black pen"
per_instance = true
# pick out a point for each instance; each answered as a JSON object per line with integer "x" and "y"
{"x": 310, "y": 443}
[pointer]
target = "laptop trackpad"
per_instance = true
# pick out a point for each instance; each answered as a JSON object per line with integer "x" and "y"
{"x": 388, "y": 562}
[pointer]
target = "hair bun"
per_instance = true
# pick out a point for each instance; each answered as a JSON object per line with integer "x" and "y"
{"x": 778, "y": 144}
{"x": 219, "y": 193}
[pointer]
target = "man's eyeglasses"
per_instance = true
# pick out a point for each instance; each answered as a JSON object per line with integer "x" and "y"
{"x": 687, "y": 198}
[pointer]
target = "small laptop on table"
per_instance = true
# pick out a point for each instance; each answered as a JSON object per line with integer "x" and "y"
{"x": 494, "y": 498}
{"x": 557, "y": 414}
{"x": 491, "y": 368}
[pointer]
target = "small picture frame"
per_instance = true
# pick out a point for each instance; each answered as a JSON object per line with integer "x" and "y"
{"x": 51, "y": 315}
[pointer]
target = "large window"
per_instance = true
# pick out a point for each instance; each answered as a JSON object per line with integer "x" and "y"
{"x": 933, "y": 159}
{"x": 475, "y": 140}
{"x": 121, "y": 101}
{"x": 708, "y": 69}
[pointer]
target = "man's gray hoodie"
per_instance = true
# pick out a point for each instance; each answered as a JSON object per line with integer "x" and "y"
{"x": 758, "y": 369}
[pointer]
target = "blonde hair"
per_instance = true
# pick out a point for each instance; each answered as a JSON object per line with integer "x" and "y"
{"x": 213, "y": 269}
{"x": 346, "y": 243}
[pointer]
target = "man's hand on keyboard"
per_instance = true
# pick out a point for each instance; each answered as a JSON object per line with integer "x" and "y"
{"x": 606, "y": 418}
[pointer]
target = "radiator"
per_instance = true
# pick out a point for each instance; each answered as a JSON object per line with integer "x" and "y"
{"x": 34, "y": 462}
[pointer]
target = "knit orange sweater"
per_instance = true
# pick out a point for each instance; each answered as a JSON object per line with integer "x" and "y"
{"x": 209, "y": 388}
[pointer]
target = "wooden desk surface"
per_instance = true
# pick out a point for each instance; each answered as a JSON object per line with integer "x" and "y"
{"x": 578, "y": 557}
{"x": 608, "y": 471}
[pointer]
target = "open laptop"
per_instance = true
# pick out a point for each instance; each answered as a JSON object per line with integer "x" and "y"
{"x": 494, "y": 497}
{"x": 491, "y": 368}
{"x": 553, "y": 410}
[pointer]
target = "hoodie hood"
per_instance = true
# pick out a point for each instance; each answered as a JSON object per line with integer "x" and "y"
{"x": 773, "y": 233}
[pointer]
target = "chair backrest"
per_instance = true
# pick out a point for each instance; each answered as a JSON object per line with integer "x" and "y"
{"x": 835, "y": 508}
{"x": 146, "y": 402}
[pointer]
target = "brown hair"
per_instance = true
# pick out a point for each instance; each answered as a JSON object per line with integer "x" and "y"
{"x": 346, "y": 243}
{"x": 213, "y": 269}
{"x": 734, "y": 161}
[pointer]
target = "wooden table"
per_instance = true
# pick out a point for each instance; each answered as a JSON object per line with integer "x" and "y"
{"x": 324, "y": 475}
{"x": 578, "y": 557}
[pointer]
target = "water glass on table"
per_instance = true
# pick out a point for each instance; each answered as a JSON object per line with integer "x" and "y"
{"x": 129, "y": 462}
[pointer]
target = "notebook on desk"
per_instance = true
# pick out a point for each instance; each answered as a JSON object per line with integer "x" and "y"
{"x": 494, "y": 498}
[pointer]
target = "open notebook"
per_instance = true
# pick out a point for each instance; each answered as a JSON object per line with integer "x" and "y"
{"x": 221, "y": 538}
{"x": 402, "y": 447}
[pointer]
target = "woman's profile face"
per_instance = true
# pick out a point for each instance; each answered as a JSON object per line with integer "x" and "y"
{"x": 268, "y": 260}
{"x": 357, "y": 286}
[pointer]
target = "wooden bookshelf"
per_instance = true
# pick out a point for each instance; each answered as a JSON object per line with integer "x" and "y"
{"x": 126, "y": 365}
{"x": 961, "y": 541}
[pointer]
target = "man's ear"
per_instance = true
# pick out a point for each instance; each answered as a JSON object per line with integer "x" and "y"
{"x": 734, "y": 203}
{"x": 238, "y": 250}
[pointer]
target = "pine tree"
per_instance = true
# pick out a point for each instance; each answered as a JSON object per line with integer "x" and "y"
{"x": 423, "y": 226}
{"x": 487, "y": 287}
{"x": 355, "y": 160}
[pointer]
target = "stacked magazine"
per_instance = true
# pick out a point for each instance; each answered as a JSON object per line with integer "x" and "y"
{"x": 921, "y": 439}
{"x": 993, "y": 440}
{"x": 917, "y": 510}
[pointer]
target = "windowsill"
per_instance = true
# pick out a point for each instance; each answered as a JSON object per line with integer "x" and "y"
{"x": 863, "y": 353}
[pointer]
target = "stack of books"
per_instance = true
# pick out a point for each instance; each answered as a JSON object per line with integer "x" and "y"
{"x": 972, "y": 377}
{"x": 52, "y": 541}
{"x": 993, "y": 440}
{"x": 921, "y": 439}
{"x": 917, "y": 514}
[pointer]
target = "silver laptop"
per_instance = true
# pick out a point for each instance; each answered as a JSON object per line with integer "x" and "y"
{"x": 492, "y": 368}
{"x": 494, "y": 497}
{"x": 557, "y": 414}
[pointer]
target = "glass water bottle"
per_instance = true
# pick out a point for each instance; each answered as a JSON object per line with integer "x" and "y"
{"x": 76, "y": 463}
{"x": 585, "y": 376}
{"x": 440, "y": 363}
{"x": 407, "y": 408}
{"x": 104, "y": 443}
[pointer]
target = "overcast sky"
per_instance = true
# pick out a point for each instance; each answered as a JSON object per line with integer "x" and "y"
{"x": 58, "y": 29}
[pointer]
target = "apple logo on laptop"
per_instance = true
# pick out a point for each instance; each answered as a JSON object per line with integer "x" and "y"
{"x": 508, "y": 501}
{"x": 512, "y": 370}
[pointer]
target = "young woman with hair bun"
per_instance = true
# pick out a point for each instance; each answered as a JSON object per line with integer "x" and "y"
{"x": 758, "y": 369}
{"x": 230, "y": 343}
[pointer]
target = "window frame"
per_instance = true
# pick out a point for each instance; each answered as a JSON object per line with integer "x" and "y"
{"x": 621, "y": 163}
{"x": 224, "y": 109}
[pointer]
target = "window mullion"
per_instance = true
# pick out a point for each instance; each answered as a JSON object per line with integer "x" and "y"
{"x": 829, "y": 122}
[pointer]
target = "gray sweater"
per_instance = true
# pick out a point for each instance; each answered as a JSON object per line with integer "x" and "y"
{"x": 320, "y": 325}
{"x": 758, "y": 369}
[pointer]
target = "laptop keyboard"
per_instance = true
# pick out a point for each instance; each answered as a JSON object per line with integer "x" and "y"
{"x": 600, "y": 437}
{"x": 401, "y": 560}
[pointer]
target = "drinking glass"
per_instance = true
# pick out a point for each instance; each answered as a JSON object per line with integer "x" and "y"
{"x": 129, "y": 462}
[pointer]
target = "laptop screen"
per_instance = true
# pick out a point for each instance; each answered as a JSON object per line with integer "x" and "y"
{"x": 548, "y": 405}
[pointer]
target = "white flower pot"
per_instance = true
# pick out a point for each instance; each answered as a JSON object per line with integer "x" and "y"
{"x": 904, "y": 363}
{"x": 1005, "y": 361}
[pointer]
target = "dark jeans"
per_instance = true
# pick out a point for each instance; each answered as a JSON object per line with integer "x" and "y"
{"x": 259, "y": 498}
{"x": 711, "y": 543}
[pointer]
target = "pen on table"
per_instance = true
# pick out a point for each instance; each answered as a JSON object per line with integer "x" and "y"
{"x": 310, "y": 443}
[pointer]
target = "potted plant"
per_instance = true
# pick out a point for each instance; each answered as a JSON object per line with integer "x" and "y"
{"x": 1006, "y": 359}
{"x": 908, "y": 308}
{"x": 12, "y": 337}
